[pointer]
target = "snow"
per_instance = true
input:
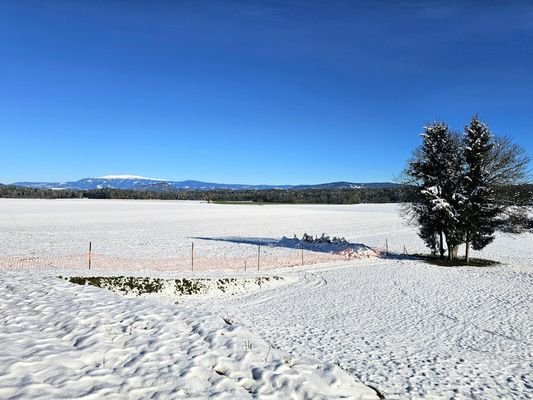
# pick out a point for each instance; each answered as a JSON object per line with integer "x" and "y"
{"x": 334, "y": 245}
{"x": 410, "y": 329}
{"x": 174, "y": 287}
{"x": 166, "y": 228}
{"x": 133, "y": 177}
{"x": 63, "y": 341}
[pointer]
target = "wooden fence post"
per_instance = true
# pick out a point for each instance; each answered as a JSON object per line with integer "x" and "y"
{"x": 90, "y": 251}
{"x": 387, "y": 246}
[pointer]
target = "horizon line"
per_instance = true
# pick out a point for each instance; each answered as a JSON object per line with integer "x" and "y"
{"x": 139, "y": 177}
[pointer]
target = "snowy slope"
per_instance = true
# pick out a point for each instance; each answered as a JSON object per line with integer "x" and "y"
{"x": 64, "y": 341}
{"x": 407, "y": 328}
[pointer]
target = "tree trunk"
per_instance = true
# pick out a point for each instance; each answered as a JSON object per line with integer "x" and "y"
{"x": 467, "y": 251}
{"x": 450, "y": 251}
{"x": 455, "y": 251}
{"x": 441, "y": 249}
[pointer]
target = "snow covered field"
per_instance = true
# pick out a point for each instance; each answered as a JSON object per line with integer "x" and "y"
{"x": 409, "y": 329}
{"x": 63, "y": 341}
{"x": 166, "y": 228}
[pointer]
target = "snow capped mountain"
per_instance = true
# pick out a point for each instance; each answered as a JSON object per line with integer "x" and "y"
{"x": 134, "y": 182}
{"x": 136, "y": 177}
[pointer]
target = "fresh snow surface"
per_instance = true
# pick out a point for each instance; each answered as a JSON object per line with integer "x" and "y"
{"x": 166, "y": 228}
{"x": 409, "y": 329}
{"x": 64, "y": 341}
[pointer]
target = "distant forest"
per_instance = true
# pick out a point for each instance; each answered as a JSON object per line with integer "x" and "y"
{"x": 302, "y": 196}
{"x": 316, "y": 196}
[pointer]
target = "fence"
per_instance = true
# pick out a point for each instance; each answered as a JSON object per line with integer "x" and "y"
{"x": 193, "y": 257}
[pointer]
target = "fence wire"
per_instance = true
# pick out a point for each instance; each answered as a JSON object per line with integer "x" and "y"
{"x": 194, "y": 257}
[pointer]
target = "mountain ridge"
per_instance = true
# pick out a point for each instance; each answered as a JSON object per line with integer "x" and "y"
{"x": 134, "y": 182}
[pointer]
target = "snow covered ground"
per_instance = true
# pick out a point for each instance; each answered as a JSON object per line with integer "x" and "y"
{"x": 166, "y": 228}
{"x": 410, "y": 329}
{"x": 64, "y": 341}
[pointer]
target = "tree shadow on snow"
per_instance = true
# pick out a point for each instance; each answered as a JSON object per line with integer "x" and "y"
{"x": 398, "y": 256}
{"x": 293, "y": 243}
{"x": 440, "y": 261}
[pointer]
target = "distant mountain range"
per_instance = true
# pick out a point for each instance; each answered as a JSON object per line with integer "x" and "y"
{"x": 131, "y": 182}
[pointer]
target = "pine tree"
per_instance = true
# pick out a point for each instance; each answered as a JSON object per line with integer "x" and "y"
{"x": 466, "y": 189}
{"x": 481, "y": 208}
{"x": 434, "y": 170}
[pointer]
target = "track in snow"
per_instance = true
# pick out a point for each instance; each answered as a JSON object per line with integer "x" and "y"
{"x": 404, "y": 327}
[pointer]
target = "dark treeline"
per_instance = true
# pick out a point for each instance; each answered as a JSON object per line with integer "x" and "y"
{"x": 320, "y": 196}
{"x": 20, "y": 192}
{"x": 304, "y": 196}
{"x": 516, "y": 195}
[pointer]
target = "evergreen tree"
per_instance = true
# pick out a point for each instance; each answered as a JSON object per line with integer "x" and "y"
{"x": 435, "y": 170}
{"x": 467, "y": 189}
{"x": 490, "y": 163}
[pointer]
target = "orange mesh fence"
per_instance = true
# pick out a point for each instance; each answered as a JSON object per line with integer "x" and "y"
{"x": 252, "y": 258}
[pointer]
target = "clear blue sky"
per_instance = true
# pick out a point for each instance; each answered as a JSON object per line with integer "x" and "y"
{"x": 252, "y": 92}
